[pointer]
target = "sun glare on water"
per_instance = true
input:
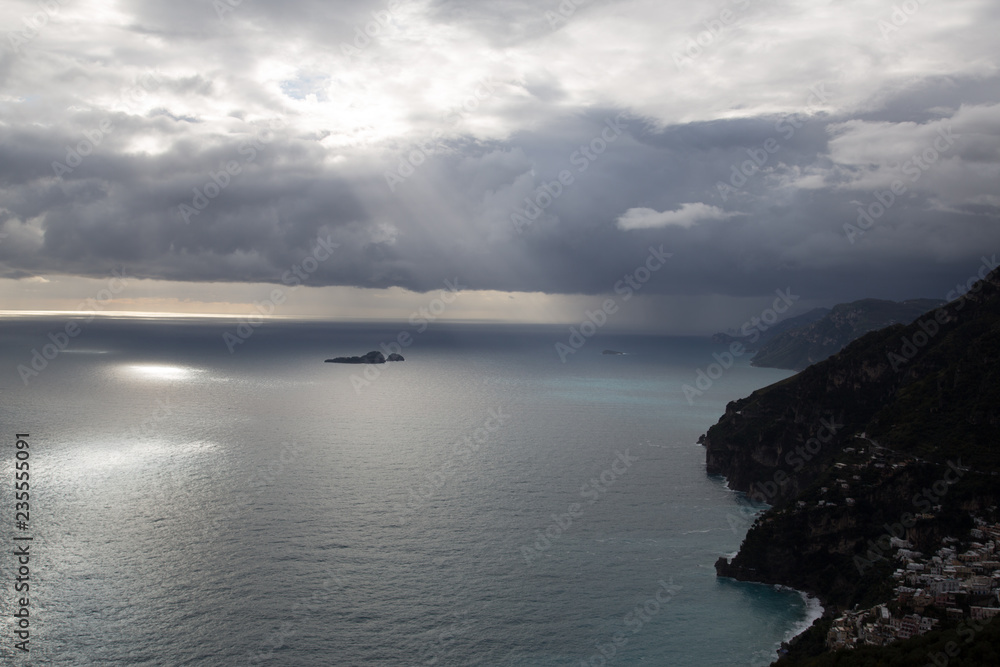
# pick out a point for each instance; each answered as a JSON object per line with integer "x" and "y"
{"x": 160, "y": 372}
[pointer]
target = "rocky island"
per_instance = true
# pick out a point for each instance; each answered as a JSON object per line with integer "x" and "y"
{"x": 373, "y": 357}
{"x": 879, "y": 469}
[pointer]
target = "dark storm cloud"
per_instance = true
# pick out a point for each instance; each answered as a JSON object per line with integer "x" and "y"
{"x": 310, "y": 158}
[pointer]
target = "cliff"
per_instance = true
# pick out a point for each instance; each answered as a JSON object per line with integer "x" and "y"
{"x": 896, "y": 435}
{"x": 929, "y": 389}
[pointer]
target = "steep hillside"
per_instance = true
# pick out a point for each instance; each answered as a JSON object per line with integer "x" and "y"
{"x": 756, "y": 335}
{"x": 930, "y": 388}
{"x": 848, "y": 446}
{"x": 798, "y": 347}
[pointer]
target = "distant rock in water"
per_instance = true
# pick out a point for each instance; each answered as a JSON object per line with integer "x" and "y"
{"x": 395, "y": 356}
{"x": 373, "y": 357}
{"x": 612, "y": 352}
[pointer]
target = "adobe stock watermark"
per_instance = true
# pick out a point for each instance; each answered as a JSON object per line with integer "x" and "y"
{"x": 170, "y": 479}
{"x": 320, "y": 598}
{"x": 92, "y": 138}
{"x": 785, "y": 128}
{"x": 766, "y": 491}
{"x": 420, "y": 319}
{"x": 462, "y": 450}
{"x": 967, "y": 631}
{"x": 546, "y": 194}
{"x": 267, "y": 474}
{"x": 421, "y": 152}
{"x": 364, "y": 35}
{"x": 32, "y": 25}
{"x": 563, "y": 12}
{"x": 229, "y": 170}
{"x": 930, "y": 326}
{"x": 925, "y": 500}
{"x": 131, "y": 97}
{"x": 751, "y": 329}
{"x": 444, "y": 637}
{"x": 592, "y": 490}
{"x": 223, "y": 7}
{"x": 914, "y": 169}
{"x": 714, "y": 30}
{"x": 262, "y": 477}
{"x": 900, "y": 16}
{"x": 634, "y": 621}
{"x": 629, "y": 284}
{"x": 148, "y": 426}
{"x": 971, "y": 285}
{"x": 61, "y": 339}
{"x": 293, "y": 278}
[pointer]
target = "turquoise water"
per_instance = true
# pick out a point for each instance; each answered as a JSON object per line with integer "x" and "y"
{"x": 196, "y": 507}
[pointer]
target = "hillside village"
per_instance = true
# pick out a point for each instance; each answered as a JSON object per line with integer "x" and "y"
{"x": 951, "y": 585}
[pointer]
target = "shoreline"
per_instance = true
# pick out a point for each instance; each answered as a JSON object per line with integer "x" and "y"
{"x": 815, "y": 608}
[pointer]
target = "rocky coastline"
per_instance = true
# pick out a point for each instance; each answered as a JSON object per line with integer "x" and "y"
{"x": 892, "y": 436}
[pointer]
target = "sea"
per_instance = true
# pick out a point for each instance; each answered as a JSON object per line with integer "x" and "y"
{"x": 198, "y": 501}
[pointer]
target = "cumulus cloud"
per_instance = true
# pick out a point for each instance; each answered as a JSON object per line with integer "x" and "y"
{"x": 413, "y": 135}
{"x": 686, "y": 216}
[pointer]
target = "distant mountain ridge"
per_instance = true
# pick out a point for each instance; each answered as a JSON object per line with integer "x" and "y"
{"x": 755, "y": 338}
{"x": 800, "y": 347}
{"x": 798, "y": 342}
{"x": 886, "y": 384}
{"x": 851, "y": 444}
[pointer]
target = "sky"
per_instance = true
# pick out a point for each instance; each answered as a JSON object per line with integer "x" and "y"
{"x": 534, "y": 159}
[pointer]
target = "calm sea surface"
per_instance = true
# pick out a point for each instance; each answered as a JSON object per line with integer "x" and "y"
{"x": 481, "y": 503}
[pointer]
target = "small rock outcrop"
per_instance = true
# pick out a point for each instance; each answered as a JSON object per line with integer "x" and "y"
{"x": 395, "y": 356}
{"x": 373, "y": 357}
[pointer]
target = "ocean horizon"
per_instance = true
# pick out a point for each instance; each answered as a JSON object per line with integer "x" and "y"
{"x": 480, "y": 503}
